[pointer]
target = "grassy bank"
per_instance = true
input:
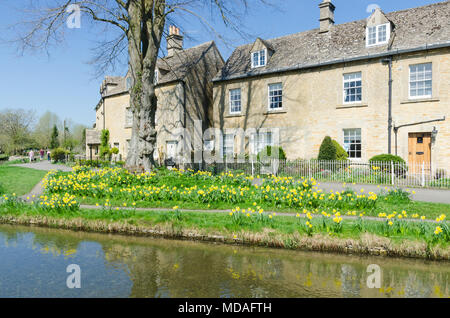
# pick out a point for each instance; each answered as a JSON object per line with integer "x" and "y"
{"x": 429, "y": 210}
{"x": 19, "y": 180}
{"x": 408, "y": 239}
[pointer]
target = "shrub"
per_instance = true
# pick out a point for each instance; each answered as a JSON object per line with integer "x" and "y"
{"x": 341, "y": 154}
{"x": 266, "y": 153}
{"x": 120, "y": 163}
{"x": 383, "y": 163}
{"x": 59, "y": 154}
{"x": 4, "y": 157}
{"x": 114, "y": 150}
{"x": 94, "y": 163}
{"x": 327, "y": 150}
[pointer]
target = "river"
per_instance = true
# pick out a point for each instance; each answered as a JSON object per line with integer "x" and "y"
{"x": 34, "y": 261}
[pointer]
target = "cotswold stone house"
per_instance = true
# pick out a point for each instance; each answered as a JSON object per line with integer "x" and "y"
{"x": 184, "y": 90}
{"x": 335, "y": 80}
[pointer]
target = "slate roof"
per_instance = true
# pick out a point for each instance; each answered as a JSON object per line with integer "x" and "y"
{"x": 171, "y": 69}
{"x": 412, "y": 28}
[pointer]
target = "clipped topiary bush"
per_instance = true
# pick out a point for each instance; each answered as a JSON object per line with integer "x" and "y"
{"x": 341, "y": 154}
{"x": 115, "y": 150}
{"x": 270, "y": 152}
{"x": 383, "y": 163}
{"x": 327, "y": 149}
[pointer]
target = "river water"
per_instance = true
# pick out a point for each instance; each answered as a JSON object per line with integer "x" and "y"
{"x": 34, "y": 261}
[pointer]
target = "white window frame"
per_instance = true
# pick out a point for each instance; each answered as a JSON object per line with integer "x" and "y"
{"x": 419, "y": 81}
{"x": 269, "y": 97}
{"x": 261, "y": 140}
{"x": 347, "y": 148}
{"x": 377, "y": 36}
{"x": 355, "y": 87}
{"x": 259, "y": 58}
{"x": 233, "y": 102}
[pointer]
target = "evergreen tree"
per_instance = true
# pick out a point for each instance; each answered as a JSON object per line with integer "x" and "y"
{"x": 54, "y": 142}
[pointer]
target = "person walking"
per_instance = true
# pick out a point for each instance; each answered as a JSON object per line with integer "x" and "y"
{"x": 41, "y": 154}
{"x": 48, "y": 154}
{"x": 31, "y": 155}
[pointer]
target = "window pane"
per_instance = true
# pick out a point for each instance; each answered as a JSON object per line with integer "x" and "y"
{"x": 352, "y": 142}
{"x": 420, "y": 80}
{"x": 275, "y": 96}
{"x": 235, "y": 100}
{"x": 352, "y": 87}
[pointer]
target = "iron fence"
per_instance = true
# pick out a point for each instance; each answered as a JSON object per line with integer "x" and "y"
{"x": 385, "y": 173}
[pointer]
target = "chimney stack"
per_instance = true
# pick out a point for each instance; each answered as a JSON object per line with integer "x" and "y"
{"x": 326, "y": 16}
{"x": 174, "y": 41}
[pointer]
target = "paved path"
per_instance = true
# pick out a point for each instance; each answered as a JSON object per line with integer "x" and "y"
{"x": 418, "y": 194}
{"x": 40, "y": 165}
{"x": 44, "y": 165}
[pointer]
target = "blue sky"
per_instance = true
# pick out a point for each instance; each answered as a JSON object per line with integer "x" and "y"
{"x": 64, "y": 83}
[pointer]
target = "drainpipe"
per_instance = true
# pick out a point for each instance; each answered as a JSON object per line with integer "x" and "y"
{"x": 388, "y": 61}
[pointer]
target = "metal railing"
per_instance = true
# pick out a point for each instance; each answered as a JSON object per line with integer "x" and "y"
{"x": 384, "y": 173}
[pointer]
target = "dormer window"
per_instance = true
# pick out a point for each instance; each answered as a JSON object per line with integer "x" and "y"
{"x": 378, "y": 34}
{"x": 259, "y": 58}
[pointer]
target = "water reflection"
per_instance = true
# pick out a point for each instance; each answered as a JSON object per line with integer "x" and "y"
{"x": 34, "y": 260}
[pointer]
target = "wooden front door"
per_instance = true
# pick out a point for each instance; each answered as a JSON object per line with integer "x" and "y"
{"x": 419, "y": 148}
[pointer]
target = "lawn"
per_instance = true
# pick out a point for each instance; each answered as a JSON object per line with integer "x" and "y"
{"x": 19, "y": 180}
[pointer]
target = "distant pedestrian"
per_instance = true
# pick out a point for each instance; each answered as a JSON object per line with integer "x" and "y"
{"x": 31, "y": 155}
{"x": 41, "y": 154}
{"x": 48, "y": 155}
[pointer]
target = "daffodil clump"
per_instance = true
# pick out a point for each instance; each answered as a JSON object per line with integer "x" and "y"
{"x": 203, "y": 187}
{"x": 9, "y": 201}
{"x": 251, "y": 215}
{"x": 57, "y": 202}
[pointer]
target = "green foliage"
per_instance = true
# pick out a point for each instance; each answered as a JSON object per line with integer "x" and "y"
{"x": 114, "y": 151}
{"x": 104, "y": 144}
{"x": 2, "y": 190}
{"x": 327, "y": 149}
{"x": 59, "y": 154}
{"x": 4, "y": 157}
{"x": 383, "y": 162}
{"x": 54, "y": 142}
{"x": 267, "y": 152}
{"x": 386, "y": 158}
{"x": 341, "y": 154}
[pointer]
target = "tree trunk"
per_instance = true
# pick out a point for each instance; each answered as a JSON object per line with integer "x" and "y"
{"x": 144, "y": 38}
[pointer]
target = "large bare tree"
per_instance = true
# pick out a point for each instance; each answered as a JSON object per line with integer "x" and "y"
{"x": 141, "y": 25}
